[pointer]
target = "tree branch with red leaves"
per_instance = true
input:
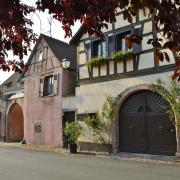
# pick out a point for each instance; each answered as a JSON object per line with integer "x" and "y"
{"x": 16, "y": 33}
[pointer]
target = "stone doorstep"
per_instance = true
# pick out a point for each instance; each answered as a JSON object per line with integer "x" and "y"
{"x": 145, "y": 158}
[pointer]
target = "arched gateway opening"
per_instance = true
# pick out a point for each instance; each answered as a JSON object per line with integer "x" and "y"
{"x": 145, "y": 126}
{"x": 15, "y": 125}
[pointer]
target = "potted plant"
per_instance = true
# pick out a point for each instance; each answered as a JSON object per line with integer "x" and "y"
{"x": 72, "y": 130}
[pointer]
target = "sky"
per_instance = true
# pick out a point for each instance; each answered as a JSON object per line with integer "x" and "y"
{"x": 42, "y": 25}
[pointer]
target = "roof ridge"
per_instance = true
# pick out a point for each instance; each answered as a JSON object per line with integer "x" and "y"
{"x": 54, "y": 39}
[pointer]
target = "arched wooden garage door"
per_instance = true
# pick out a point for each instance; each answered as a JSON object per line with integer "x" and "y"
{"x": 15, "y": 123}
{"x": 144, "y": 125}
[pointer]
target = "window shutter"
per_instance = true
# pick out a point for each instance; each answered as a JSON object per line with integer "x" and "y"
{"x": 41, "y": 87}
{"x": 55, "y": 84}
{"x": 137, "y": 47}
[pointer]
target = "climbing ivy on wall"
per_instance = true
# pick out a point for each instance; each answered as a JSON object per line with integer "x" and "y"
{"x": 172, "y": 95}
{"x": 101, "y": 124}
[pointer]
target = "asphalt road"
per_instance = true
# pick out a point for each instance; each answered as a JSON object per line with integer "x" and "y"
{"x": 19, "y": 164}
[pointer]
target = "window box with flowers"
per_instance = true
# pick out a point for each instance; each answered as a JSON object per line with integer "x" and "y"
{"x": 115, "y": 56}
{"x": 101, "y": 63}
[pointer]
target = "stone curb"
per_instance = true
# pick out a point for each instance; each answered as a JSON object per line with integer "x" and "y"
{"x": 143, "y": 160}
{"x": 35, "y": 148}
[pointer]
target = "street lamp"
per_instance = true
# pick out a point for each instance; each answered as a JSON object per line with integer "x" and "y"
{"x": 66, "y": 63}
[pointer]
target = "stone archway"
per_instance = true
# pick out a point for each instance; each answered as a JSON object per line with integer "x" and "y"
{"x": 15, "y": 123}
{"x": 121, "y": 100}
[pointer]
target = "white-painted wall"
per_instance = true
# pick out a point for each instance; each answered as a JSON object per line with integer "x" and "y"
{"x": 90, "y": 97}
{"x": 146, "y": 61}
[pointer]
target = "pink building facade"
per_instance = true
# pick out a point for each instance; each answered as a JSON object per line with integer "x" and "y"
{"x": 44, "y": 84}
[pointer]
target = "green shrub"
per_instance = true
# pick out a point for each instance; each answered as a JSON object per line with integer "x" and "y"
{"x": 72, "y": 131}
{"x": 101, "y": 124}
{"x": 172, "y": 95}
{"x": 92, "y": 122}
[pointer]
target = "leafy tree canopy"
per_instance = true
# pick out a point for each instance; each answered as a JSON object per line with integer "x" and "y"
{"x": 16, "y": 32}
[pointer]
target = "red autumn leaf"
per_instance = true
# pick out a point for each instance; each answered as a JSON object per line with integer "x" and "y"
{"x": 156, "y": 44}
{"x": 149, "y": 41}
{"x": 14, "y": 20}
{"x": 127, "y": 16}
{"x": 159, "y": 56}
{"x": 177, "y": 61}
{"x": 166, "y": 56}
{"x": 169, "y": 45}
{"x": 176, "y": 74}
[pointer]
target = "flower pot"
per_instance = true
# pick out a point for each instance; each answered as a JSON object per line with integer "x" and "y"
{"x": 73, "y": 148}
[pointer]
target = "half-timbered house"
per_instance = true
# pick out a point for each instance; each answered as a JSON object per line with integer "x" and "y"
{"x": 141, "y": 123}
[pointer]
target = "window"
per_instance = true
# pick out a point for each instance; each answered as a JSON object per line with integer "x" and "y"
{"x": 40, "y": 57}
{"x": 45, "y": 53}
{"x": 99, "y": 48}
{"x": 88, "y": 51}
{"x": 120, "y": 41}
{"x": 49, "y": 85}
{"x": 92, "y": 115}
{"x": 110, "y": 45}
{"x": 42, "y": 54}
